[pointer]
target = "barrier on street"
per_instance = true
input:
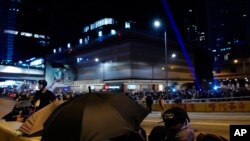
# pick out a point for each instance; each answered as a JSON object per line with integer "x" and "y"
{"x": 217, "y": 106}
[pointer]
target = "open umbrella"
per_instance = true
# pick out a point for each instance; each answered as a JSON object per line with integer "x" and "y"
{"x": 6, "y": 106}
{"x": 33, "y": 126}
{"x": 94, "y": 117}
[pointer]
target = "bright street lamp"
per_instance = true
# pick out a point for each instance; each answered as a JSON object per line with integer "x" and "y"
{"x": 157, "y": 24}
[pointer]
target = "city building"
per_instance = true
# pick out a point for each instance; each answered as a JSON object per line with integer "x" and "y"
{"x": 24, "y": 30}
{"x": 112, "y": 55}
{"x": 228, "y": 35}
{"x": 24, "y": 41}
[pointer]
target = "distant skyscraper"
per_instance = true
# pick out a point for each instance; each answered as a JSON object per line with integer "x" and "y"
{"x": 23, "y": 30}
{"x": 191, "y": 21}
{"x": 228, "y": 29}
{"x": 8, "y": 12}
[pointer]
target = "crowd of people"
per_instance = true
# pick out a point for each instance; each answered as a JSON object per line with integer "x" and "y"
{"x": 22, "y": 111}
{"x": 176, "y": 121}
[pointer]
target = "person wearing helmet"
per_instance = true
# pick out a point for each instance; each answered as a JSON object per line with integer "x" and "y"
{"x": 43, "y": 96}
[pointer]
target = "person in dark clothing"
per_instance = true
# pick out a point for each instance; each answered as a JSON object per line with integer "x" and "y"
{"x": 89, "y": 89}
{"x": 138, "y": 135}
{"x": 210, "y": 137}
{"x": 43, "y": 97}
{"x": 176, "y": 122}
{"x": 149, "y": 103}
{"x": 158, "y": 133}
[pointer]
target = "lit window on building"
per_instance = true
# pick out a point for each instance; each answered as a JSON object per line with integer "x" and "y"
{"x": 86, "y": 40}
{"x": 105, "y": 21}
{"x": 99, "y": 33}
{"x": 26, "y": 34}
{"x": 39, "y": 36}
{"x": 113, "y": 32}
{"x": 86, "y": 29}
{"x": 54, "y": 50}
{"x": 223, "y": 49}
{"x": 14, "y": 32}
{"x": 42, "y": 43}
{"x": 80, "y": 41}
{"x": 78, "y": 60}
{"x": 127, "y": 24}
{"x": 68, "y": 45}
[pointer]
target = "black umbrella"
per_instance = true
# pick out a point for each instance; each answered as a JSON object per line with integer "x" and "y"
{"x": 94, "y": 117}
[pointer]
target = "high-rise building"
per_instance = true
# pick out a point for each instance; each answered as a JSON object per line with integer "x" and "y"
{"x": 24, "y": 30}
{"x": 190, "y": 21}
{"x": 220, "y": 32}
{"x": 228, "y": 29}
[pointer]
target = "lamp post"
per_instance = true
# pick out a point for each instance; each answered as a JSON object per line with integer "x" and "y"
{"x": 157, "y": 24}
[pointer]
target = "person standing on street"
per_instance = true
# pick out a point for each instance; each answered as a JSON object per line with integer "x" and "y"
{"x": 43, "y": 96}
{"x": 161, "y": 104}
{"x": 149, "y": 102}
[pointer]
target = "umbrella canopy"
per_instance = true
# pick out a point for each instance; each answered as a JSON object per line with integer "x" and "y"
{"x": 6, "y": 106}
{"x": 34, "y": 124}
{"x": 94, "y": 117}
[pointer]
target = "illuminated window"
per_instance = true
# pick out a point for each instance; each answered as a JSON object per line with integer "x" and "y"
{"x": 26, "y": 34}
{"x": 86, "y": 29}
{"x": 80, "y": 41}
{"x": 43, "y": 43}
{"x": 101, "y": 22}
{"x": 86, "y": 40}
{"x": 39, "y": 36}
{"x": 100, "y": 34}
{"x": 78, "y": 60}
{"x": 54, "y": 50}
{"x": 68, "y": 45}
{"x": 11, "y": 32}
{"x": 127, "y": 24}
{"x": 113, "y": 32}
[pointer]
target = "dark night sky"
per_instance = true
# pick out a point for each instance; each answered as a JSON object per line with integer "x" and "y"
{"x": 63, "y": 20}
{"x": 71, "y": 16}
{"x": 67, "y": 17}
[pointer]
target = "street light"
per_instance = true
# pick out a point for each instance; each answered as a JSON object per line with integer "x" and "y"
{"x": 157, "y": 24}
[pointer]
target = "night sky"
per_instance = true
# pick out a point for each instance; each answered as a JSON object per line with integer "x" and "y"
{"x": 71, "y": 16}
{"x": 63, "y": 20}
